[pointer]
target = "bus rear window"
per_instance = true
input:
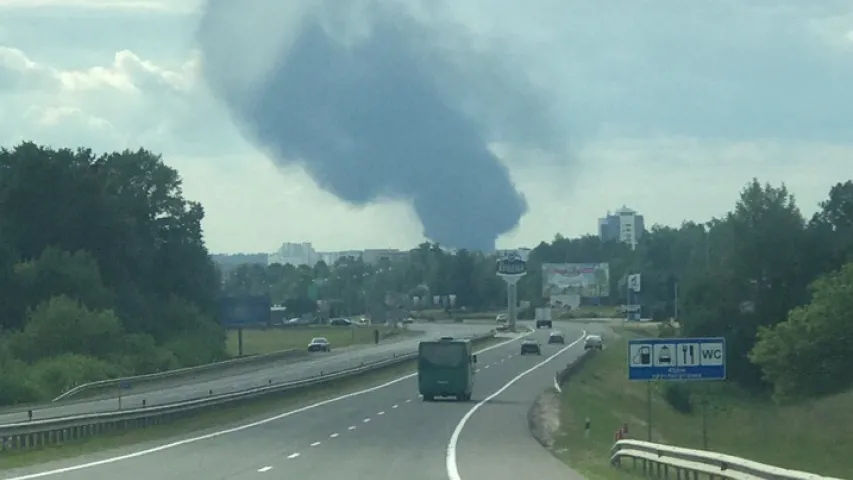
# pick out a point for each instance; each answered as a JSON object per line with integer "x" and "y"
{"x": 443, "y": 354}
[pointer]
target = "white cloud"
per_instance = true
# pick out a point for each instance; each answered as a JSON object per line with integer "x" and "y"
{"x": 134, "y": 5}
{"x": 669, "y": 109}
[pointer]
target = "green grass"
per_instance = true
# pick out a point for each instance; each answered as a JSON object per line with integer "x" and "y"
{"x": 256, "y": 342}
{"x": 589, "y": 312}
{"x": 216, "y": 418}
{"x": 817, "y": 437}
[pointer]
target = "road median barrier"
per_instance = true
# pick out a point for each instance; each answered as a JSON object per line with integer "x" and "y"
{"x": 563, "y": 375}
{"x": 91, "y": 389}
{"x": 543, "y": 417}
{"x": 43, "y": 432}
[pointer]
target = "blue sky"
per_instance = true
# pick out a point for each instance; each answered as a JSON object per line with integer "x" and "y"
{"x": 669, "y": 107}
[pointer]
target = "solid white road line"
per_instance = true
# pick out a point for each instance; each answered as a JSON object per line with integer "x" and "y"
{"x": 450, "y": 458}
{"x": 187, "y": 441}
{"x": 557, "y": 385}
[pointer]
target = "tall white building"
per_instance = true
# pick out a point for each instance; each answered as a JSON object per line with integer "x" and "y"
{"x": 624, "y": 225}
{"x": 295, "y": 254}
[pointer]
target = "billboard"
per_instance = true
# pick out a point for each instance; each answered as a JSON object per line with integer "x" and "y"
{"x": 588, "y": 280}
{"x": 235, "y": 312}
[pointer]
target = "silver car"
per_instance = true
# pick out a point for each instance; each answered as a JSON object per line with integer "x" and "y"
{"x": 319, "y": 344}
{"x": 593, "y": 341}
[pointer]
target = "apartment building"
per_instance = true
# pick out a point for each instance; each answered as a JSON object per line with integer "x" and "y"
{"x": 624, "y": 225}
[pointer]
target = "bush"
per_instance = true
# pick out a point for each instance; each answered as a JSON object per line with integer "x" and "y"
{"x": 677, "y": 395}
{"x": 59, "y": 374}
{"x": 667, "y": 330}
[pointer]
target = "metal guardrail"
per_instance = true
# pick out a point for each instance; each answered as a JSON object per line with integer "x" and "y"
{"x": 37, "y": 433}
{"x": 180, "y": 372}
{"x": 665, "y": 461}
{"x": 114, "y": 383}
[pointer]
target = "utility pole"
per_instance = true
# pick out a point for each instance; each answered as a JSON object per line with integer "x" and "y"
{"x": 675, "y": 302}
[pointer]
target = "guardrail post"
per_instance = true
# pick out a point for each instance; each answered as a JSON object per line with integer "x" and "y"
{"x": 30, "y": 414}
{"x": 143, "y": 403}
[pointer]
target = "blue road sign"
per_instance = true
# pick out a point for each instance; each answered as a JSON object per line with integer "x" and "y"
{"x": 677, "y": 359}
{"x": 247, "y": 310}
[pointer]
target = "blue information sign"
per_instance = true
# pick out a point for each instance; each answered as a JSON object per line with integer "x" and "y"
{"x": 677, "y": 359}
{"x": 245, "y": 310}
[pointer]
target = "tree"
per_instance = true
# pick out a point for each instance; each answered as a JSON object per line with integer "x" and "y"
{"x": 754, "y": 274}
{"x": 103, "y": 268}
{"x": 809, "y": 353}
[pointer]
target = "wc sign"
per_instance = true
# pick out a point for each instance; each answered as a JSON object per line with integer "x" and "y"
{"x": 675, "y": 359}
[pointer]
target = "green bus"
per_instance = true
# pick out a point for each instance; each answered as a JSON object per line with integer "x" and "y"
{"x": 446, "y": 368}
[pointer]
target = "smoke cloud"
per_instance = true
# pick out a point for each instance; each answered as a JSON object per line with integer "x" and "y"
{"x": 374, "y": 105}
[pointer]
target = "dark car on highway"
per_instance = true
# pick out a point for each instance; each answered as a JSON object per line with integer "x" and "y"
{"x": 341, "y": 322}
{"x": 557, "y": 337}
{"x": 319, "y": 344}
{"x": 531, "y": 346}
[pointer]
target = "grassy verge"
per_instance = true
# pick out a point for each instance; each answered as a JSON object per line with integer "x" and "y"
{"x": 816, "y": 437}
{"x": 257, "y": 342}
{"x": 589, "y": 312}
{"x": 221, "y": 417}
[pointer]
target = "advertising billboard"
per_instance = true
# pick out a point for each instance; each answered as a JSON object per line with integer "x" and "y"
{"x": 587, "y": 280}
{"x": 236, "y": 312}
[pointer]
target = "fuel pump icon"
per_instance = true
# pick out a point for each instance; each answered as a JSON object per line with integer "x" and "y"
{"x": 643, "y": 356}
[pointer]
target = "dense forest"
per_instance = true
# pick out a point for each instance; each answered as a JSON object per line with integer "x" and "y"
{"x": 104, "y": 272}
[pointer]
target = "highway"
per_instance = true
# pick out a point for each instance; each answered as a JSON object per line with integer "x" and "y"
{"x": 242, "y": 379}
{"x": 385, "y": 433}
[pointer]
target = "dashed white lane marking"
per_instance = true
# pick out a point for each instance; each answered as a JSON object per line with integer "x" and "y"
{"x": 394, "y": 406}
{"x": 334, "y": 435}
{"x": 366, "y": 420}
{"x": 352, "y": 427}
{"x": 239, "y": 428}
{"x": 409, "y": 400}
{"x": 487, "y": 366}
{"x": 477, "y": 370}
{"x": 381, "y": 413}
{"x": 315, "y": 444}
{"x": 292, "y": 456}
{"x": 264, "y": 469}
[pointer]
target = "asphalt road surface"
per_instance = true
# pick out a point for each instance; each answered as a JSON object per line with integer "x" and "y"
{"x": 388, "y": 433}
{"x": 233, "y": 381}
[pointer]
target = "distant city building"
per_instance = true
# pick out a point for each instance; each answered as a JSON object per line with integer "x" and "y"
{"x": 295, "y": 254}
{"x": 330, "y": 258}
{"x": 304, "y": 254}
{"x": 373, "y": 256}
{"x": 623, "y": 225}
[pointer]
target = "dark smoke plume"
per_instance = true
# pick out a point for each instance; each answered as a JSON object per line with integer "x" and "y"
{"x": 368, "y": 114}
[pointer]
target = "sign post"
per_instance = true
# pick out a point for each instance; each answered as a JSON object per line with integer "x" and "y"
{"x": 511, "y": 267}
{"x": 632, "y": 285}
{"x": 676, "y": 360}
